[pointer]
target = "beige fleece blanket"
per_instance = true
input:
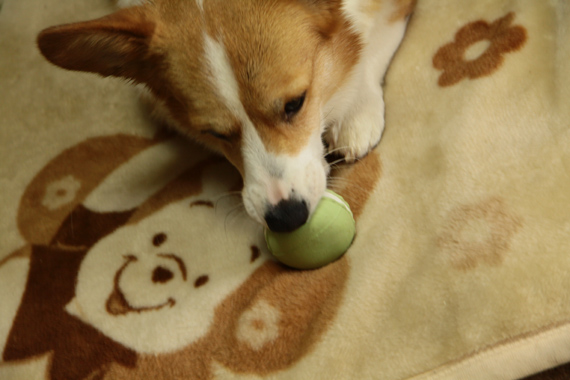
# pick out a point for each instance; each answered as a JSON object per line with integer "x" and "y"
{"x": 126, "y": 253}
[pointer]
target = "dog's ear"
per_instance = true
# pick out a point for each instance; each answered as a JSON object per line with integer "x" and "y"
{"x": 326, "y": 14}
{"x": 115, "y": 45}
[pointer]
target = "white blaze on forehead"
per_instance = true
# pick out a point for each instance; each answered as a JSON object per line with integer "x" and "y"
{"x": 222, "y": 76}
{"x": 226, "y": 86}
{"x": 200, "y": 4}
{"x": 267, "y": 176}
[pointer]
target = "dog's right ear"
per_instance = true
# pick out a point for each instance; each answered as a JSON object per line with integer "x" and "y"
{"x": 115, "y": 45}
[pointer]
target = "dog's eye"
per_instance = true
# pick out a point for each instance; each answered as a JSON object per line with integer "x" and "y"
{"x": 219, "y": 136}
{"x": 294, "y": 106}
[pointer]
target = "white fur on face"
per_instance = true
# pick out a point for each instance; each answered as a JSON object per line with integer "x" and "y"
{"x": 222, "y": 77}
{"x": 269, "y": 177}
{"x": 200, "y": 4}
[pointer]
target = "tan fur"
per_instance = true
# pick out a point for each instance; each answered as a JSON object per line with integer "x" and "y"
{"x": 372, "y": 6}
{"x": 162, "y": 42}
{"x": 403, "y": 9}
{"x": 261, "y": 81}
{"x": 268, "y": 80}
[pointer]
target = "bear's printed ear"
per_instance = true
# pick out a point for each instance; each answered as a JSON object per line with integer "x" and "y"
{"x": 68, "y": 179}
{"x": 271, "y": 328}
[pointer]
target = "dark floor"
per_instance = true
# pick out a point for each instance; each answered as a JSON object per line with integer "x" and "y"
{"x": 558, "y": 373}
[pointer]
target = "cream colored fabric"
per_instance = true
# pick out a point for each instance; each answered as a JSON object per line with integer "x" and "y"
{"x": 114, "y": 264}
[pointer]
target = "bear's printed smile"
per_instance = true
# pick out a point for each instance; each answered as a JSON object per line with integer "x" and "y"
{"x": 117, "y": 303}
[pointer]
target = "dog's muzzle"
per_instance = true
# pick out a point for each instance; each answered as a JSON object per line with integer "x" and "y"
{"x": 287, "y": 215}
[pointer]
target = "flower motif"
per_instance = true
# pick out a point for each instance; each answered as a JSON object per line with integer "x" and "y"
{"x": 501, "y": 37}
{"x": 61, "y": 192}
{"x": 259, "y": 325}
{"x": 478, "y": 233}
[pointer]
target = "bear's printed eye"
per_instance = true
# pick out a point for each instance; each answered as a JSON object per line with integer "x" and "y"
{"x": 201, "y": 281}
{"x": 159, "y": 239}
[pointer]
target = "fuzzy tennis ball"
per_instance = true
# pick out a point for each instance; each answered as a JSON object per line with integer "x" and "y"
{"x": 323, "y": 239}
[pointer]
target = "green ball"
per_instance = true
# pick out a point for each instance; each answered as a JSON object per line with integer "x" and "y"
{"x": 324, "y": 238}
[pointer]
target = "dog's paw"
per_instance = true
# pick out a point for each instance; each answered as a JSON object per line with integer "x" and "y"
{"x": 360, "y": 132}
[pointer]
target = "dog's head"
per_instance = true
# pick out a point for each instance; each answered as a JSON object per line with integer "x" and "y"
{"x": 248, "y": 78}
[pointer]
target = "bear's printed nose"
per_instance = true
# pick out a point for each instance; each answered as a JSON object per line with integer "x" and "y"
{"x": 162, "y": 275}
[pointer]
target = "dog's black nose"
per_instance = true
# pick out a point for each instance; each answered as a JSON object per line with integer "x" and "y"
{"x": 287, "y": 215}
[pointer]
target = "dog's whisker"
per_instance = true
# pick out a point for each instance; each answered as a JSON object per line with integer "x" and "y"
{"x": 236, "y": 210}
{"x": 325, "y": 117}
{"x": 344, "y": 182}
{"x": 237, "y": 207}
{"x": 336, "y": 162}
{"x": 339, "y": 184}
{"x": 226, "y": 195}
{"x": 339, "y": 180}
{"x": 335, "y": 150}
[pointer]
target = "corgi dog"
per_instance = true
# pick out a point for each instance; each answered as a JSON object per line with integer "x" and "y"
{"x": 274, "y": 85}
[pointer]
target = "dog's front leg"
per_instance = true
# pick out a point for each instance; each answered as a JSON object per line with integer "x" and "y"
{"x": 361, "y": 128}
{"x": 357, "y": 109}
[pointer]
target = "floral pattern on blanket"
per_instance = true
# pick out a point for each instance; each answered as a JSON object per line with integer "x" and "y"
{"x": 479, "y": 233}
{"x": 500, "y": 38}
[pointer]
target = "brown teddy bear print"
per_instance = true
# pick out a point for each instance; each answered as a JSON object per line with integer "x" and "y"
{"x": 133, "y": 270}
